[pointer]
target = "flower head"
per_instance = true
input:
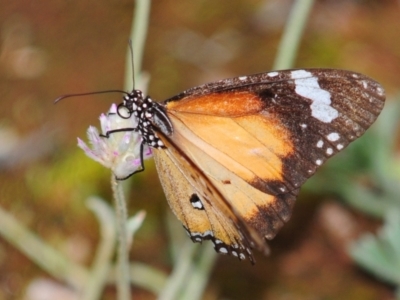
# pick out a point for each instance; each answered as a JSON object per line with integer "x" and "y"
{"x": 120, "y": 151}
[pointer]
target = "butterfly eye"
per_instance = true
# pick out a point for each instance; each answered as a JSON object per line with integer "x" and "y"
{"x": 123, "y": 111}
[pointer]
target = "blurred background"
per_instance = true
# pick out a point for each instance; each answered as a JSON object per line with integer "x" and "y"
{"x": 51, "y": 48}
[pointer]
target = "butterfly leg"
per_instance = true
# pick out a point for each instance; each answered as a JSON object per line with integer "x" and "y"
{"x": 107, "y": 135}
{"x": 141, "y": 164}
{"x": 141, "y": 159}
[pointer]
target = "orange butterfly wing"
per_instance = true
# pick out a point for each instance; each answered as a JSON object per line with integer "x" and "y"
{"x": 241, "y": 148}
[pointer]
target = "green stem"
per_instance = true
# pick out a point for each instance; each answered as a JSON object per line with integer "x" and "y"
{"x": 180, "y": 272}
{"x": 197, "y": 282}
{"x": 103, "y": 260}
{"x": 292, "y": 34}
{"x": 144, "y": 276}
{"x": 123, "y": 278}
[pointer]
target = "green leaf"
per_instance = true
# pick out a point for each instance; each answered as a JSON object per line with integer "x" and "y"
{"x": 380, "y": 254}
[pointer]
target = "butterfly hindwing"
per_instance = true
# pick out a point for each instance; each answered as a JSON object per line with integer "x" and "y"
{"x": 198, "y": 205}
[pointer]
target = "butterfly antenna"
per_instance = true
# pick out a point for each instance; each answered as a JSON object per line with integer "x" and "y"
{"x": 86, "y": 94}
{"x": 132, "y": 63}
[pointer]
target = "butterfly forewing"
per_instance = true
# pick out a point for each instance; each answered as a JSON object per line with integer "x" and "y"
{"x": 311, "y": 115}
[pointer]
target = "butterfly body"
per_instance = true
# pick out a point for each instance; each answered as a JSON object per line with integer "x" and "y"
{"x": 232, "y": 154}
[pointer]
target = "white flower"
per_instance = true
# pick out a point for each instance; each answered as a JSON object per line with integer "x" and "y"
{"x": 120, "y": 151}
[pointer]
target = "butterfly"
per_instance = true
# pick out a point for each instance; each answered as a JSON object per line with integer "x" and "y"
{"x": 232, "y": 155}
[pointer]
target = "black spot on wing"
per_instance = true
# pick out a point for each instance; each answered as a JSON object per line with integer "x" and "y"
{"x": 196, "y": 202}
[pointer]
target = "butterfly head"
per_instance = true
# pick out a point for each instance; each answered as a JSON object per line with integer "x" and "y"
{"x": 152, "y": 117}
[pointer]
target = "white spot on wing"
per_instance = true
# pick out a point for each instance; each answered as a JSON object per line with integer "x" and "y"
{"x": 242, "y": 78}
{"x": 207, "y": 233}
{"x": 333, "y": 137}
{"x": 318, "y": 162}
{"x": 307, "y": 86}
{"x": 329, "y": 151}
{"x": 223, "y": 250}
{"x": 273, "y": 74}
{"x": 320, "y": 143}
{"x": 197, "y": 204}
{"x": 339, "y": 146}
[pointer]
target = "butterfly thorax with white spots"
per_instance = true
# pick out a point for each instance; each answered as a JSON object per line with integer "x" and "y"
{"x": 151, "y": 117}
